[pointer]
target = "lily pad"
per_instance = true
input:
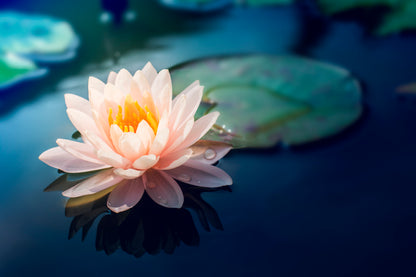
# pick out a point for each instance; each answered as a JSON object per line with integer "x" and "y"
{"x": 264, "y": 99}
{"x": 36, "y": 36}
{"x": 14, "y": 69}
{"x": 401, "y": 15}
{"x": 27, "y": 38}
{"x": 213, "y": 5}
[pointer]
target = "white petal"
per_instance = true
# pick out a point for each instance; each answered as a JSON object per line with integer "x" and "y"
{"x": 59, "y": 158}
{"x": 123, "y": 81}
{"x": 200, "y": 174}
{"x": 174, "y": 159}
{"x": 94, "y": 83}
{"x": 80, "y": 150}
{"x": 73, "y": 101}
{"x": 126, "y": 195}
{"x": 163, "y": 189}
{"x": 82, "y": 121}
{"x": 146, "y": 134}
{"x": 112, "y": 158}
{"x": 145, "y": 162}
{"x": 141, "y": 81}
{"x": 128, "y": 173}
{"x": 149, "y": 72}
{"x": 164, "y": 99}
{"x": 115, "y": 135}
{"x": 96, "y": 183}
{"x": 112, "y": 77}
{"x": 131, "y": 146}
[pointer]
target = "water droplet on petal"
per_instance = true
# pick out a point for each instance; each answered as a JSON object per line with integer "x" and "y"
{"x": 185, "y": 177}
{"x": 210, "y": 154}
{"x": 151, "y": 185}
{"x": 162, "y": 199}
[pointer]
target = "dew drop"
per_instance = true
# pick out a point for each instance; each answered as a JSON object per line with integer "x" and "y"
{"x": 185, "y": 177}
{"x": 162, "y": 199}
{"x": 210, "y": 154}
{"x": 151, "y": 185}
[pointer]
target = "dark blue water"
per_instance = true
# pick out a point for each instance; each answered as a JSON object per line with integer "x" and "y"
{"x": 341, "y": 207}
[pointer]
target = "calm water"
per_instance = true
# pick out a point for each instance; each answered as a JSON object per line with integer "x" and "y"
{"x": 342, "y": 207}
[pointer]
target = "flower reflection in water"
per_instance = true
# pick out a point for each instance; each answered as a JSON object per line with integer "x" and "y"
{"x": 147, "y": 227}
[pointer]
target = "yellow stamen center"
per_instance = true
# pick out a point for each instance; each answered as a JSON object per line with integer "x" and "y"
{"x": 132, "y": 116}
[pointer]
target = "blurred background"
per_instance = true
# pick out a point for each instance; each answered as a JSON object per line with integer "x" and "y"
{"x": 340, "y": 203}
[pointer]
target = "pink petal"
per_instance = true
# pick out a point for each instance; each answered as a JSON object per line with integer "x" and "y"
{"x": 174, "y": 159}
{"x": 96, "y": 183}
{"x": 82, "y": 121}
{"x": 126, "y": 195}
{"x": 115, "y": 135}
{"x": 200, "y": 127}
{"x": 113, "y": 159}
{"x": 112, "y": 77}
{"x": 178, "y": 137}
{"x": 149, "y": 72}
{"x": 186, "y": 90}
{"x": 161, "y": 138}
{"x": 200, "y": 174}
{"x": 79, "y": 150}
{"x": 59, "y": 158}
{"x": 145, "y": 162}
{"x": 128, "y": 173}
{"x": 162, "y": 91}
{"x": 75, "y": 102}
{"x": 209, "y": 152}
{"x": 193, "y": 99}
{"x": 163, "y": 189}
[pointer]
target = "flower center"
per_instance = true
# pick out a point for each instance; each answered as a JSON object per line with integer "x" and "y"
{"x": 132, "y": 116}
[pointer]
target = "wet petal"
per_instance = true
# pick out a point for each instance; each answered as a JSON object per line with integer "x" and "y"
{"x": 200, "y": 174}
{"x": 208, "y": 151}
{"x": 126, "y": 195}
{"x": 96, "y": 183}
{"x": 163, "y": 189}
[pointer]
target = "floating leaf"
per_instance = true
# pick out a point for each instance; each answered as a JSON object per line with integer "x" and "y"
{"x": 401, "y": 15}
{"x": 14, "y": 69}
{"x": 213, "y": 5}
{"x": 268, "y": 99}
{"x": 24, "y": 38}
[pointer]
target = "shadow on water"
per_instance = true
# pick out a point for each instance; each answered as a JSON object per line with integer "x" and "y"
{"x": 145, "y": 228}
{"x": 99, "y": 41}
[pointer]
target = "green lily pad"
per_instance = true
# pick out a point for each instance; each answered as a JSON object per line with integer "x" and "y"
{"x": 14, "y": 69}
{"x": 264, "y": 100}
{"x": 401, "y": 15}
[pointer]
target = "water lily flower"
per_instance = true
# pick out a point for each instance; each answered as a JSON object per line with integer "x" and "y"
{"x": 140, "y": 140}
